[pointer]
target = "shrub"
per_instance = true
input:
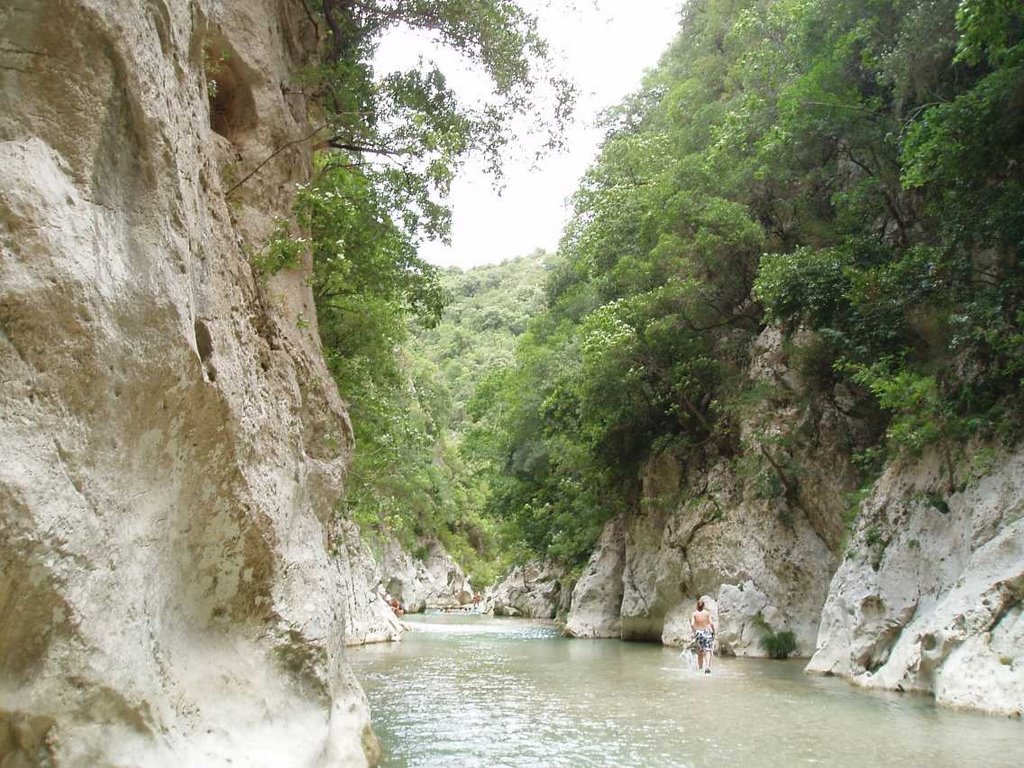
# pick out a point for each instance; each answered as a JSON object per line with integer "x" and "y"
{"x": 778, "y": 645}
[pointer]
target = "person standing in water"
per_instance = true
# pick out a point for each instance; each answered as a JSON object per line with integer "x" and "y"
{"x": 703, "y": 625}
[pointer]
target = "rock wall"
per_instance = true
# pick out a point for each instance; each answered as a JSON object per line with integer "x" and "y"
{"x": 433, "y": 580}
{"x": 172, "y": 445}
{"x": 706, "y": 529}
{"x": 596, "y": 605}
{"x": 536, "y": 590}
{"x": 643, "y": 580}
{"x": 929, "y": 596}
{"x": 369, "y": 617}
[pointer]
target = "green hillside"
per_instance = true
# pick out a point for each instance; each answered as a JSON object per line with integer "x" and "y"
{"x": 490, "y": 307}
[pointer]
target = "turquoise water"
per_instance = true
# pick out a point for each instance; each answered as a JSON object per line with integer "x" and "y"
{"x": 464, "y": 691}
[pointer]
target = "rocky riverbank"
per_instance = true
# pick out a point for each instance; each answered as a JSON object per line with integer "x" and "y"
{"x": 924, "y": 595}
{"x": 759, "y": 532}
{"x": 384, "y": 570}
{"x": 929, "y": 594}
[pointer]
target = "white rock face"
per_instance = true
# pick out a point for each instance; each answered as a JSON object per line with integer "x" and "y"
{"x": 171, "y": 444}
{"x": 379, "y": 566}
{"x": 433, "y": 581}
{"x": 534, "y": 591}
{"x": 597, "y": 596}
{"x": 929, "y": 597}
{"x": 704, "y": 530}
{"x": 369, "y": 618}
{"x": 743, "y": 553}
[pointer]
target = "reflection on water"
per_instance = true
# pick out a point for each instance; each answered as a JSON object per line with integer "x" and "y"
{"x": 476, "y": 691}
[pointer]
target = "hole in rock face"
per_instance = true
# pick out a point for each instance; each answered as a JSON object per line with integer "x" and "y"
{"x": 204, "y": 342}
{"x": 232, "y": 107}
{"x": 204, "y": 345}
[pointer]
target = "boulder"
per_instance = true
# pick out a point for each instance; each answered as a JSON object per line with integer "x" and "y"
{"x": 535, "y": 590}
{"x": 597, "y": 596}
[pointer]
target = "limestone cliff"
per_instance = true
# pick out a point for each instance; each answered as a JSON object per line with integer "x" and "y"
{"x": 382, "y": 567}
{"x": 538, "y": 589}
{"x": 172, "y": 445}
{"x": 926, "y": 595}
{"x": 929, "y": 595}
{"x": 706, "y": 528}
{"x": 429, "y": 579}
{"x": 368, "y": 616}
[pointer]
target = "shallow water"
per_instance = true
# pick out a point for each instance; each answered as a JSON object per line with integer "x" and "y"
{"x": 462, "y": 691}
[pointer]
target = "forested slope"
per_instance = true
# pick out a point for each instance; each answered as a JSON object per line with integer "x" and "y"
{"x": 849, "y": 173}
{"x": 793, "y": 284}
{"x": 416, "y": 478}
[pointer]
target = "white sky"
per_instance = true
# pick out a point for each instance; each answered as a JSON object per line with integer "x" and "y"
{"x": 604, "y": 46}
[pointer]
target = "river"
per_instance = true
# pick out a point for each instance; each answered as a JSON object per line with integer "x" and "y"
{"x": 466, "y": 691}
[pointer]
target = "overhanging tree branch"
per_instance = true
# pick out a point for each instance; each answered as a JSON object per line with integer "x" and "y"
{"x": 272, "y": 155}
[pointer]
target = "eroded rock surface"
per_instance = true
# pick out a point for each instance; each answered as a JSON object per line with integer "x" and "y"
{"x": 597, "y": 596}
{"x": 381, "y": 568}
{"x": 929, "y": 595}
{"x": 432, "y": 580}
{"x": 536, "y": 590}
{"x": 368, "y": 616}
{"x": 172, "y": 445}
{"x": 766, "y": 557}
{"x": 643, "y": 580}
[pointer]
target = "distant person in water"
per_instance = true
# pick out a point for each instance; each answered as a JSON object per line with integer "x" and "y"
{"x": 703, "y": 625}
{"x": 397, "y": 608}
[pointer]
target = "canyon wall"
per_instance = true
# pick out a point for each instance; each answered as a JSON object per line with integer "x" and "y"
{"x": 539, "y": 589}
{"x": 929, "y": 595}
{"x": 172, "y": 444}
{"x": 707, "y": 526}
{"x": 427, "y": 579}
{"x": 923, "y": 593}
{"x": 382, "y": 569}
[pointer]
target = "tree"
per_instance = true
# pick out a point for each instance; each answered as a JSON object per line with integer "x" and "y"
{"x": 409, "y": 131}
{"x": 390, "y": 146}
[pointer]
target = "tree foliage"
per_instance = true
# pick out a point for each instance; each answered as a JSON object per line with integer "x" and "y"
{"x": 850, "y": 168}
{"x": 422, "y": 474}
{"x": 409, "y": 130}
{"x": 852, "y": 172}
{"x": 390, "y": 145}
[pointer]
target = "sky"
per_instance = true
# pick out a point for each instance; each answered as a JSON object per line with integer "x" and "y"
{"x": 604, "y": 46}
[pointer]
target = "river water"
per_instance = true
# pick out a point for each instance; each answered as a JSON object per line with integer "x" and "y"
{"x": 465, "y": 691}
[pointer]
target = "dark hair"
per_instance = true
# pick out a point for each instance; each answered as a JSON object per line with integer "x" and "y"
{"x": 700, "y": 603}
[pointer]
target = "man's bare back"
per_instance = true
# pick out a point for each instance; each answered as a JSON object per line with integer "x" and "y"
{"x": 701, "y": 620}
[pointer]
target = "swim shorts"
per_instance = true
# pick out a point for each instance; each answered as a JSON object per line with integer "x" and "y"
{"x": 704, "y": 637}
